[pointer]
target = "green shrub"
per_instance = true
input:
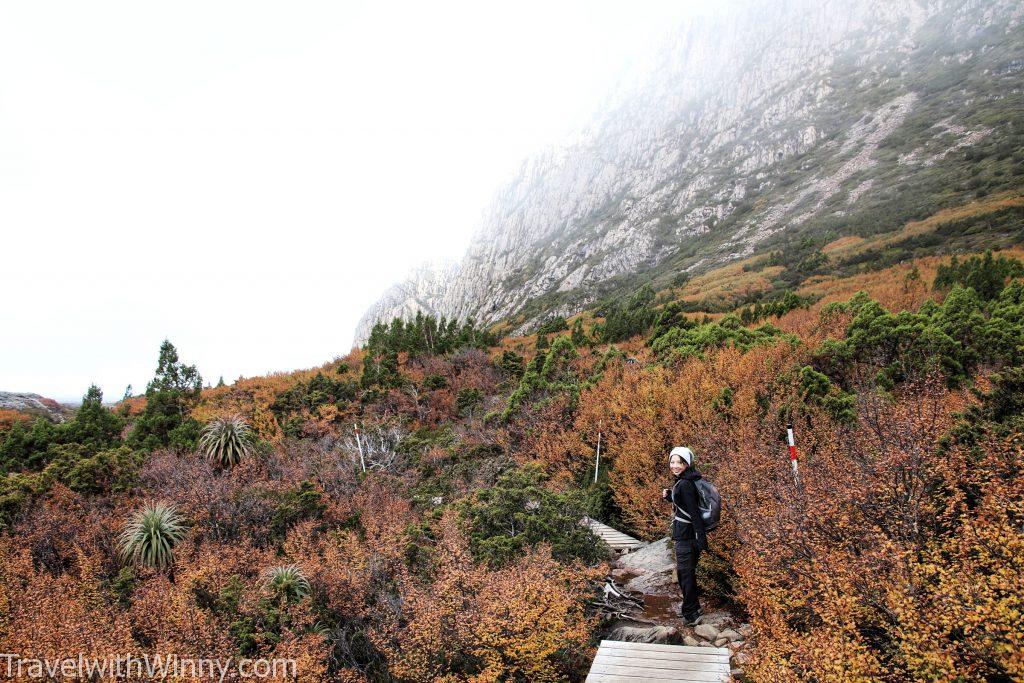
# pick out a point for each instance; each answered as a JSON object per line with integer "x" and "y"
{"x": 549, "y": 374}
{"x": 819, "y": 390}
{"x": 628, "y": 319}
{"x": 553, "y": 324}
{"x": 293, "y": 506}
{"x": 953, "y": 338}
{"x": 512, "y": 365}
{"x": 32, "y": 447}
{"x": 308, "y": 396}
{"x": 692, "y": 340}
{"x": 518, "y": 512}
{"x": 16, "y": 490}
{"x": 434, "y": 382}
{"x": 986, "y": 275}
{"x": 113, "y": 470}
{"x": 467, "y": 400}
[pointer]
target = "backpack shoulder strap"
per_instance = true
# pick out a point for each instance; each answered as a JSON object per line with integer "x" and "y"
{"x": 680, "y": 515}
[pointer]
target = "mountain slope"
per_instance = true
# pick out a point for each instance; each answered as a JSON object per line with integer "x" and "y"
{"x": 763, "y": 122}
{"x": 33, "y": 405}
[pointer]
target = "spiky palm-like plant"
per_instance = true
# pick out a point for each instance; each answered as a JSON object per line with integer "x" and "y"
{"x": 287, "y": 582}
{"x": 150, "y": 535}
{"x": 225, "y": 441}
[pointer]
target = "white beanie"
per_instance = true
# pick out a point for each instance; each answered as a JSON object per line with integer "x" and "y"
{"x": 683, "y": 452}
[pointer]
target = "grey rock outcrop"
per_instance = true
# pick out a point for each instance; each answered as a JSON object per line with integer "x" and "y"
{"x": 34, "y": 404}
{"x": 761, "y": 118}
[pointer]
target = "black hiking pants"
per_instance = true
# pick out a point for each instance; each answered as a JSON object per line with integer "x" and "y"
{"x": 687, "y": 553}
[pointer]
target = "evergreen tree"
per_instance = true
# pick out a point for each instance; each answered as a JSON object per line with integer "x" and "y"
{"x": 578, "y": 334}
{"x": 94, "y": 426}
{"x": 175, "y": 388}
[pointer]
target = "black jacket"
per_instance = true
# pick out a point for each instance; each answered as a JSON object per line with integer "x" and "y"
{"x": 684, "y": 496}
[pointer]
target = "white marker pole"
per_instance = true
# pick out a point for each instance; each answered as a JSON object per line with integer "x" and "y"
{"x": 792, "y": 452}
{"x": 597, "y": 461}
{"x": 359, "y": 444}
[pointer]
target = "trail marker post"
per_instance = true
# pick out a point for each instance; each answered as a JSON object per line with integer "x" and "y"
{"x": 597, "y": 460}
{"x": 359, "y": 445}
{"x": 792, "y": 452}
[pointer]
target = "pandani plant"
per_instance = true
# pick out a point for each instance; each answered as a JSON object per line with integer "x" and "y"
{"x": 226, "y": 441}
{"x": 150, "y": 535}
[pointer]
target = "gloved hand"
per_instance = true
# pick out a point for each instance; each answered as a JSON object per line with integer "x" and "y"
{"x": 702, "y": 541}
{"x": 666, "y": 494}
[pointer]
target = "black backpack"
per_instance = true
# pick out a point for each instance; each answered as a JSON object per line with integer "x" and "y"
{"x": 710, "y": 503}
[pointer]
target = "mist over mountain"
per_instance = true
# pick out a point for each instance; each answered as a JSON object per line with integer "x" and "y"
{"x": 760, "y": 124}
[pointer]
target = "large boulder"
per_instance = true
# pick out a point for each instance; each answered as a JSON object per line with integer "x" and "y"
{"x": 658, "y": 556}
{"x": 651, "y": 567}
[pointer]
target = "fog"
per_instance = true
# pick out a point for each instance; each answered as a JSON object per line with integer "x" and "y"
{"x": 245, "y": 178}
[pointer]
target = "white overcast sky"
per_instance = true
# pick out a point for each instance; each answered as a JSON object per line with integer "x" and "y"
{"x": 246, "y": 178}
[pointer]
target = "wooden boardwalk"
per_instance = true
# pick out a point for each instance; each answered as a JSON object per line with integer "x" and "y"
{"x": 616, "y": 540}
{"x": 623, "y": 662}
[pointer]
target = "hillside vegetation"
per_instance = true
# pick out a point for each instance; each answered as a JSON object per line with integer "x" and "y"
{"x": 444, "y": 543}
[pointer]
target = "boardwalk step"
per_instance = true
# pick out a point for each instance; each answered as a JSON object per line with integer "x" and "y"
{"x": 626, "y": 662}
{"x": 614, "y": 538}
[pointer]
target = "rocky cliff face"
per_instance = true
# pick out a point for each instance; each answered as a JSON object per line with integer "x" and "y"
{"x": 766, "y": 119}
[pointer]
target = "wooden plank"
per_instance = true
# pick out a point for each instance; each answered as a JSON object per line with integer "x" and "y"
{"x": 661, "y": 674}
{"x": 664, "y": 656}
{"x": 614, "y": 538}
{"x": 627, "y": 645}
{"x": 615, "y": 678}
{"x": 683, "y": 659}
{"x": 657, "y": 654}
{"x": 646, "y": 663}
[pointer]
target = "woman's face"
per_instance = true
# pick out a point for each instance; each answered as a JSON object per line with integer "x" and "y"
{"x": 677, "y": 465}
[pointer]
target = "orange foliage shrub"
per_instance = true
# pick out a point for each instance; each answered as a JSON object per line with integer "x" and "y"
{"x": 710, "y": 405}
{"x": 9, "y": 417}
{"x": 873, "y": 569}
{"x": 524, "y": 622}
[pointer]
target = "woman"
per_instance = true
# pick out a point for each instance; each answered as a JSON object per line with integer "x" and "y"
{"x": 687, "y": 528}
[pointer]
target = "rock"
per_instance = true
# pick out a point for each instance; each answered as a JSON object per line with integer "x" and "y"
{"x": 731, "y": 635}
{"x": 654, "y": 557}
{"x": 741, "y": 658}
{"x": 737, "y": 674}
{"x": 691, "y": 641}
{"x": 34, "y": 405}
{"x": 652, "y": 566}
{"x": 745, "y": 630}
{"x": 706, "y": 631}
{"x": 619, "y": 572}
{"x": 721, "y": 642}
{"x": 720, "y": 619}
{"x": 651, "y": 582}
{"x": 652, "y": 634}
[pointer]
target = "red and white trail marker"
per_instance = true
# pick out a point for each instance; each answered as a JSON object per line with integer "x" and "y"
{"x": 792, "y": 451}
